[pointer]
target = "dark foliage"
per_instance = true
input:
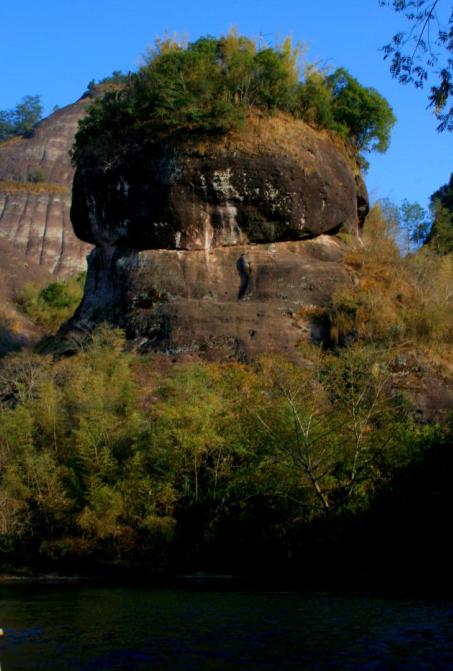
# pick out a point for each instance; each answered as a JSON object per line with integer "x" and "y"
{"x": 21, "y": 119}
{"x": 441, "y": 233}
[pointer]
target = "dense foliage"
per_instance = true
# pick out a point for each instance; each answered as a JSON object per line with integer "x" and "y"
{"x": 21, "y": 119}
{"x": 395, "y": 299}
{"x": 102, "y": 458}
{"x": 440, "y": 236}
{"x": 210, "y": 85}
{"x": 340, "y": 103}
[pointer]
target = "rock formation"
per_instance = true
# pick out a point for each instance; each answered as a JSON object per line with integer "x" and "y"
{"x": 234, "y": 300}
{"x": 221, "y": 246}
{"x": 276, "y": 180}
{"x": 35, "y": 193}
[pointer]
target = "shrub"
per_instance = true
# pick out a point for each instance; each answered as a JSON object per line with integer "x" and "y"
{"x": 36, "y": 176}
{"x": 394, "y": 298}
{"x": 50, "y": 306}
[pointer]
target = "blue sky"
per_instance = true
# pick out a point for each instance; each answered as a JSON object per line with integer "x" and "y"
{"x": 55, "y": 47}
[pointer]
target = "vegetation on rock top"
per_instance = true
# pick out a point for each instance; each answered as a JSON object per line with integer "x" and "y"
{"x": 20, "y": 120}
{"x": 210, "y": 85}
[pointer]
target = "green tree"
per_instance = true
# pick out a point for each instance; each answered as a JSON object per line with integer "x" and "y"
{"x": 440, "y": 236}
{"x": 360, "y": 112}
{"x": 315, "y": 99}
{"x": 415, "y": 224}
{"x": 329, "y": 426}
{"x": 27, "y": 114}
{"x": 7, "y": 129}
{"x": 22, "y": 119}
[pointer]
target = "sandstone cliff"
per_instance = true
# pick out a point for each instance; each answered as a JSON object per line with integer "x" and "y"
{"x": 228, "y": 301}
{"x": 222, "y": 247}
{"x": 35, "y": 193}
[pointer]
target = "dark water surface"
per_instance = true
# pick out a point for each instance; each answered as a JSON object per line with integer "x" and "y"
{"x": 82, "y": 628}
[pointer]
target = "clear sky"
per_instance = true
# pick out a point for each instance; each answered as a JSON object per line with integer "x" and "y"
{"x": 55, "y": 47}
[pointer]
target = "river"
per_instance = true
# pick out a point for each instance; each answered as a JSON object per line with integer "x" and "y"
{"x": 88, "y": 628}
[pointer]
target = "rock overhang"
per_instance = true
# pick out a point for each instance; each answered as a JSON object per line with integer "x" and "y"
{"x": 277, "y": 180}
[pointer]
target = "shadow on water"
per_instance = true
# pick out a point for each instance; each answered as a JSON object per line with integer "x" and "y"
{"x": 84, "y": 628}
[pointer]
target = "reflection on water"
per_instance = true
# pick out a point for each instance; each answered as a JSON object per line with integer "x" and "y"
{"x": 56, "y": 628}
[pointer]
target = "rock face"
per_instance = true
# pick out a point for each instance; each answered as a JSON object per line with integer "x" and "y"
{"x": 276, "y": 180}
{"x": 35, "y": 193}
{"x": 219, "y": 248}
{"x": 228, "y": 301}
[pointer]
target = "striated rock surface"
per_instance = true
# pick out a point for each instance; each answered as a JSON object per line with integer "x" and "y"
{"x": 35, "y": 193}
{"x": 275, "y": 180}
{"x": 227, "y": 301}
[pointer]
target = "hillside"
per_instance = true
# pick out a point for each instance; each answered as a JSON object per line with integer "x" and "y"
{"x": 35, "y": 193}
{"x": 15, "y": 272}
{"x": 256, "y": 381}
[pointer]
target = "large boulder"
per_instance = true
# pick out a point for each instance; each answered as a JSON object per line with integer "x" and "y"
{"x": 275, "y": 180}
{"x": 222, "y": 246}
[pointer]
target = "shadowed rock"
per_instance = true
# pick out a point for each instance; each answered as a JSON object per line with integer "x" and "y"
{"x": 229, "y": 301}
{"x": 275, "y": 180}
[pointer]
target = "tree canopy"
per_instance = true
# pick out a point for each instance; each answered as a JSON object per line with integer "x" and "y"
{"x": 21, "y": 119}
{"x": 360, "y": 112}
{"x": 210, "y": 85}
{"x": 441, "y": 234}
{"x": 425, "y": 49}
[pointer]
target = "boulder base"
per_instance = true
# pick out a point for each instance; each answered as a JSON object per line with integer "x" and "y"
{"x": 227, "y": 301}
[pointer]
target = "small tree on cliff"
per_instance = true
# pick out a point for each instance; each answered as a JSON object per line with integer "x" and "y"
{"x": 21, "y": 119}
{"x": 340, "y": 103}
{"x": 360, "y": 112}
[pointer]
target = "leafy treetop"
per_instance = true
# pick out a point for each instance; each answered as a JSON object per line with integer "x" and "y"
{"x": 21, "y": 119}
{"x": 441, "y": 234}
{"x": 208, "y": 86}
